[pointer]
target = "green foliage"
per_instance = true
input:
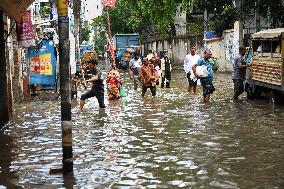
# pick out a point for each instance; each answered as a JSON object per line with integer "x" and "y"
{"x": 195, "y": 27}
{"x": 223, "y": 20}
{"x": 99, "y": 43}
{"x": 155, "y": 19}
{"x": 45, "y": 11}
{"x": 86, "y": 30}
{"x": 147, "y": 17}
{"x": 272, "y": 10}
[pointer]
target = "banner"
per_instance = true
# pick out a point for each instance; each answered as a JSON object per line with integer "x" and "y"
{"x": 42, "y": 64}
{"x": 25, "y": 33}
{"x": 108, "y": 3}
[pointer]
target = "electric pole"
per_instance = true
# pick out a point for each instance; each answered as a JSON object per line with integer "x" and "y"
{"x": 65, "y": 85}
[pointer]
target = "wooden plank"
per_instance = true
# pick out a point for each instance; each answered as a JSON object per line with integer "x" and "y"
{"x": 282, "y": 52}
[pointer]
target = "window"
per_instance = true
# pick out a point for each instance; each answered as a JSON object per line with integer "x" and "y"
{"x": 267, "y": 48}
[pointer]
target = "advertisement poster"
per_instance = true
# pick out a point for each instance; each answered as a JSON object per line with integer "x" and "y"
{"x": 25, "y": 33}
{"x": 43, "y": 64}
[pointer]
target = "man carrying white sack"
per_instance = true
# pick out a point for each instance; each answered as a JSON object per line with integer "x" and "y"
{"x": 206, "y": 82}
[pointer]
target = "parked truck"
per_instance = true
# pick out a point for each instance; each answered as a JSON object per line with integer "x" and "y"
{"x": 126, "y": 41}
{"x": 266, "y": 76}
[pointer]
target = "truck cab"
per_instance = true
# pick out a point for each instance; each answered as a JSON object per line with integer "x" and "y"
{"x": 266, "y": 76}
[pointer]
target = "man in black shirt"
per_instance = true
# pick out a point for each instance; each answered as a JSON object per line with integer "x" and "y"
{"x": 97, "y": 89}
{"x": 239, "y": 72}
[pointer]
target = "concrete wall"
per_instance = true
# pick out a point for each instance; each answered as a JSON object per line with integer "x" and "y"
{"x": 178, "y": 46}
{"x": 227, "y": 47}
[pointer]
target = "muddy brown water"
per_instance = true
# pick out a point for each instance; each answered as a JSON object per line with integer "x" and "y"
{"x": 171, "y": 141}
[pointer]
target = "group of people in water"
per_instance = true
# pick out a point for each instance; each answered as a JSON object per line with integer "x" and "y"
{"x": 151, "y": 71}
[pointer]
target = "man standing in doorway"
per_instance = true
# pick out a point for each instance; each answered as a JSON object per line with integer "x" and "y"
{"x": 134, "y": 69}
{"x": 97, "y": 89}
{"x": 190, "y": 60}
{"x": 206, "y": 82}
{"x": 239, "y": 72}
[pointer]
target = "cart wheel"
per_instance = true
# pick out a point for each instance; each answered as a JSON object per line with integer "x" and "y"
{"x": 250, "y": 94}
{"x": 272, "y": 98}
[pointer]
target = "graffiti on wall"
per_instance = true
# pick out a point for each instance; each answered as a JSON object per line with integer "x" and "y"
{"x": 229, "y": 47}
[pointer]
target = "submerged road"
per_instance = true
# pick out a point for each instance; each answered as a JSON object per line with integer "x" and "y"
{"x": 171, "y": 141}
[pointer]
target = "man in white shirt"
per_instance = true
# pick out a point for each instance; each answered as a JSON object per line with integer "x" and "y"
{"x": 189, "y": 61}
{"x": 134, "y": 69}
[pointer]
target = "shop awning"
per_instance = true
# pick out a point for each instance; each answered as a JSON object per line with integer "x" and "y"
{"x": 15, "y": 8}
{"x": 268, "y": 34}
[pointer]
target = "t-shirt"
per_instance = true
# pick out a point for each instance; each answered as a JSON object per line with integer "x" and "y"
{"x": 204, "y": 62}
{"x": 239, "y": 73}
{"x": 146, "y": 74}
{"x": 216, "y": 62}
{"x": 189, "y": 61}
{"x": 135, "y": 66}
{"x": 98, "y": 85}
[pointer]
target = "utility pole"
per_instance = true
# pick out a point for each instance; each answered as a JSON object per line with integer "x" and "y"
{"x": 110, "y": 41}
{"x": 205, "y": 26}
{"x": 257, "y": 19}
{"x": 4, "y": 107}
{"x": 65, "y": 85}
{"x": 77, "y": 25}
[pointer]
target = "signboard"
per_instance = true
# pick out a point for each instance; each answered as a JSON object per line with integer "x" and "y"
{"x": 62, "y": 7}
{"x": 108, "y": 3}
{"x": 15, "y": 8}
{"x": 25, "y": 34}
{"x": 42, "y": 64}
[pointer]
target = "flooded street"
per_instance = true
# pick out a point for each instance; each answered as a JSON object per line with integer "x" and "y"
{"x": 171, "y": 141}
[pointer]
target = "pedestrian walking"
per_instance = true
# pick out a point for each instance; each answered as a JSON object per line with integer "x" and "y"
{"x": 206, "y": 82}
{"x": 148, "y": 78}
{"x": 166, "y": 69}
{"x": 134, "y": 69}
{"x": 239, "y": 72}
{"x": 97, "y": 89}
{"x": 190, "y": 60}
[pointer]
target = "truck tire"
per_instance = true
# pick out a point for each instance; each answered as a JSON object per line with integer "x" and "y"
{"x": 253, "y": 92}
{"x": 272, "y": 97}
{"x": 250, "y": 93}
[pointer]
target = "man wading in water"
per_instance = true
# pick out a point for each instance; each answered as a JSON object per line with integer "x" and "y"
{"x": 148, "y": 80}
{"x": 239, "y": 73}
{"x": 189, "y": 61}
{"x": 97, "y": 89}
{"x": 134, "y": 69}
{"x": 206, "y": 82}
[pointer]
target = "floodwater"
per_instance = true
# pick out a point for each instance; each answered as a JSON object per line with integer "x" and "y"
{"x": 171, "y": 141}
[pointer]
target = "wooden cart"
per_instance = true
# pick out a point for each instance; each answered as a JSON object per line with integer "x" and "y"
{"x": 266, "y": 77}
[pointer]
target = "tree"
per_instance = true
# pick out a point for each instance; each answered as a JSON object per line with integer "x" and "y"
{"x": 86, "y": 30}
{"x": 150, "y": 18}
{"x": 272, "y": 10}
{"x": 155, "y": 19}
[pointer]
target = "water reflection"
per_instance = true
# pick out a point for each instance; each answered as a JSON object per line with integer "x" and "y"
{"x": 170, "y": 141}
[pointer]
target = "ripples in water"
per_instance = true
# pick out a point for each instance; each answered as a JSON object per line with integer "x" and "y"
{"x": 170, "y": 141}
